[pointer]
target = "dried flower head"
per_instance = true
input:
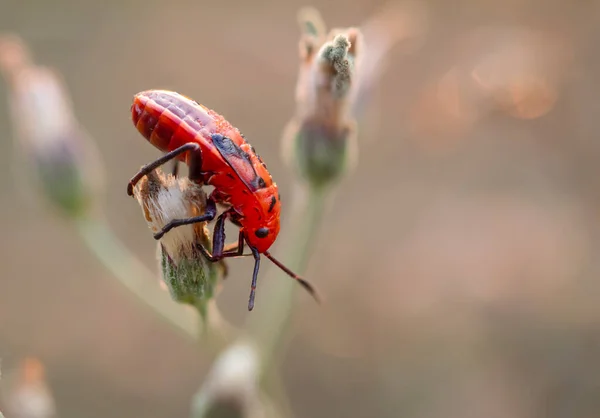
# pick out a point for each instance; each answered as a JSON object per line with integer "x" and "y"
{"x": 338, "y": 71}
{"x": 322, "y": 134}
{"x": 190, "y": 277}
{"x": 59, "y": 153}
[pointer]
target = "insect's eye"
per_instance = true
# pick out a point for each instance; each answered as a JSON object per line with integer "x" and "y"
{"x": 261, "y": 232}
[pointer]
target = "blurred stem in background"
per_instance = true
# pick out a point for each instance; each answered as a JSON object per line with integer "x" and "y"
{"x": 134, "y": 275}
{"x": 268, "y": 326}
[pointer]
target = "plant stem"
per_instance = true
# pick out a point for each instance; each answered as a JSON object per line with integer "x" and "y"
{"x": 132, "y": 274}
{"x": 267, "y": 325}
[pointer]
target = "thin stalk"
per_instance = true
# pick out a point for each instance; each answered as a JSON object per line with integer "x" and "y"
{"x": 132, "y": 274}
{"x": 268, "y": 324}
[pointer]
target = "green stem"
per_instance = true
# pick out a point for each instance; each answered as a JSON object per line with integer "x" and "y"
{"x": 133, "y": 275}
{"x": 268, "y": 324}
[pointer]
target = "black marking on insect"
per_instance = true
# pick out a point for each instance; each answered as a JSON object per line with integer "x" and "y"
{"x": 272, "y": 204}
{"x": 239, "y": 161}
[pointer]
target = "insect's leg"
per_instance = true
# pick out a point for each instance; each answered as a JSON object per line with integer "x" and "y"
{"x": 219, "y": 236}
{"x": 234, "y": 250}
{"x": 218, "y": 252}
{"x": 190, "y": 146}
{"x": 175, "y": 169}
{"x": 208, "y": 215}
{"x": 239, "y": 250}
{"x": 195, "y": 173}
{"x": 256, "y": 255}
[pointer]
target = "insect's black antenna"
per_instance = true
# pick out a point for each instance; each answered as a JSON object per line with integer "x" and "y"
{"x": 256, "y": 255}
{"x": 305, "y": 284}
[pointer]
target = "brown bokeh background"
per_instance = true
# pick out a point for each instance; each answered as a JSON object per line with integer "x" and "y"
{"x": 459, "y": 257}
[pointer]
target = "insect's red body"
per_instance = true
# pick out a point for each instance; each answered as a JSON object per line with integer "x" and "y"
{"x": 218, "y": 155}
{"x": 169, "y": 120}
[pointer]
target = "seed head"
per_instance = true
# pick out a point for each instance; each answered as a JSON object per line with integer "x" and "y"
{"x": 190, "y": 277}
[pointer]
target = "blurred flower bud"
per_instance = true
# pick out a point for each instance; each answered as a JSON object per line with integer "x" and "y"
{"x": 189, "y": 276}
{"x": 232, "y": 387}
{"x": 321, "y": 136}
{"x": 338, "y": 72}
{"x": 321, "y": 155}
{"x": 26, "y": 393}
{"x": 59, "y": 154}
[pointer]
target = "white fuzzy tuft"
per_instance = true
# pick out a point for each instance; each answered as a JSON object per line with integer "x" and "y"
{"x": 175, "y": 198}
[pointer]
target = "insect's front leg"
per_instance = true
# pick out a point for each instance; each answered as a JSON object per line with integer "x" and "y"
{"x": 208, "y": 215}
{"x": 195, "y": 164}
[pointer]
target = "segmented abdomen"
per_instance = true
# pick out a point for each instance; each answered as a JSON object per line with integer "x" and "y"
{"x": 168, "y": 120}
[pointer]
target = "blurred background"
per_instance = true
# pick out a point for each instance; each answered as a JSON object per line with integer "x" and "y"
{"x": 458, "y": 258}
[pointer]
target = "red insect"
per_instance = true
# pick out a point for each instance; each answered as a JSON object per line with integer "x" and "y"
{"x": 217, "y": 154}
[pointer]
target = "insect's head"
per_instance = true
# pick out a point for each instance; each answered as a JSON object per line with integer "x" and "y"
{"x": 262, "y": 236}
{"x": 262, "y": 229}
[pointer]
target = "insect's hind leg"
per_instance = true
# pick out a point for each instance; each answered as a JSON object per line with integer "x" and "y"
{"x": 195, "y": 164}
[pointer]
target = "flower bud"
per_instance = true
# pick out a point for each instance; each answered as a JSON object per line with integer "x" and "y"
{"x": 338, "y": 72}
{"x": 26, "y": 393}
{"x": 59, "y": 155}
{"x": 321, "y": 137}
{"x": 321, "y": 154}
{"x": 232, "y": 387}
{"x": 189, "y": 276}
